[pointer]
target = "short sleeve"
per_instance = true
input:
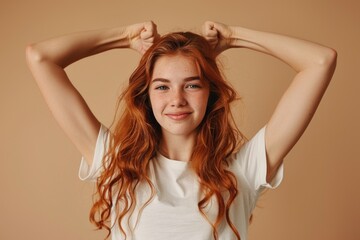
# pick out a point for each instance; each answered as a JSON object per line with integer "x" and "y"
{"x": 253, "y": 163}
{"x": 90, "y": 173}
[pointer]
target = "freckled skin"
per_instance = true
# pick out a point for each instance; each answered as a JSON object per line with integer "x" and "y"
{"x": 178, "y": 96}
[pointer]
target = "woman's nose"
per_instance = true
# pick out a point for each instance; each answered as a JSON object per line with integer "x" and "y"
{"x": 178, "y": 98}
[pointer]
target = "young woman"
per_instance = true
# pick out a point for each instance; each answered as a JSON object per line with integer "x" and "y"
{"x": 175, "y": 166}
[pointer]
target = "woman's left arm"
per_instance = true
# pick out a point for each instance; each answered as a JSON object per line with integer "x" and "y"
{"x": 314, "y": 64}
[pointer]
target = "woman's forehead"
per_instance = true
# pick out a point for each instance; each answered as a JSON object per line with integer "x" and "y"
{"x": 175, "y": 65}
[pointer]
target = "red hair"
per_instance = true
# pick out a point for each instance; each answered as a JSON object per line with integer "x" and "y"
{"x": 136, "y": 136}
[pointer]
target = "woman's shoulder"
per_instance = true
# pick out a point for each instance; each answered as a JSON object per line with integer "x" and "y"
{"x": 250, "y": 162}
{"x": 252, "y": 147}
{"x": 91, "y": 172}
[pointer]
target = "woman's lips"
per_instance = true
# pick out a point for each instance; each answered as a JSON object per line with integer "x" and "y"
{"x": 178, "y": 116}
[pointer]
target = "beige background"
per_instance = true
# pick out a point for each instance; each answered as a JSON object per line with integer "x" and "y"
{"x": 41, "y": 196}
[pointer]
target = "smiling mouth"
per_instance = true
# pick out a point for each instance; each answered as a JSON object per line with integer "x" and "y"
{"x": 178, "y": 116}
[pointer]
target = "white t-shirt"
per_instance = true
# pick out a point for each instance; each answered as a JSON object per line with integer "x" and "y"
{"x": 173, "y": 212}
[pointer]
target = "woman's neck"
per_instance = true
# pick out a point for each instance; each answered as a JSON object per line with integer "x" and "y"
{"x": 177, "y": 147}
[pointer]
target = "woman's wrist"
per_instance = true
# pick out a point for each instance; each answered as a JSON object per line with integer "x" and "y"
{"x": 239, "y": 37}
{"x": 247, "y": 38}
{"x": 114, "y": 38}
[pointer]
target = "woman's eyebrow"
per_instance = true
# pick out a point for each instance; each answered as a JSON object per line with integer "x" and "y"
{"x": 167, "y": 80}
{"x": 192, "y": 78}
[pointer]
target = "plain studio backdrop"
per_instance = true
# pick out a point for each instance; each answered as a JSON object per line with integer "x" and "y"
{"x": 41, "y": 196}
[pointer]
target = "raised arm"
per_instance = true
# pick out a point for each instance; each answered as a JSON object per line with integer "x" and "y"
{"x": 314, "y": 64}
{"x": 48, "y": 59}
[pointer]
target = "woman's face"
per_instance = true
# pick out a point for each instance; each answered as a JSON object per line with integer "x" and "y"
{"x": 177, "y": 94}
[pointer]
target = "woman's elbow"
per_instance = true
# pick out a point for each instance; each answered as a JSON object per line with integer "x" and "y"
{"x": 329, "y": 58}
{"x": 33, "y": 54}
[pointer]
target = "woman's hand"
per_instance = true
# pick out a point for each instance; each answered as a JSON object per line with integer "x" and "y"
{"x": 218, "y": 35}
{"x": 141, "y": 36}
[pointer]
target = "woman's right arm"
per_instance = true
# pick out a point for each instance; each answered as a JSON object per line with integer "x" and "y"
{"x": 48, "y": 59}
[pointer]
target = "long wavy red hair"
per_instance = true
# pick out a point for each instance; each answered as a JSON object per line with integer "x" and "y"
{"x": 135, "y": 139}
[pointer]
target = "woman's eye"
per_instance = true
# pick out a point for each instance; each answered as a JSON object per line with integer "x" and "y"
{"x": 193, "y": 86}
{"x": 161, "y": 88}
